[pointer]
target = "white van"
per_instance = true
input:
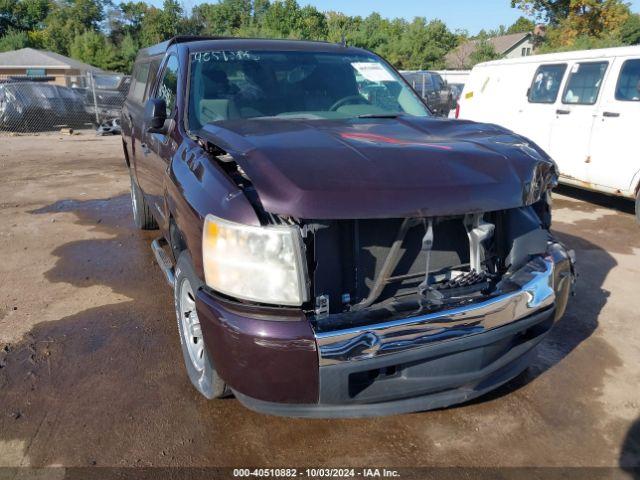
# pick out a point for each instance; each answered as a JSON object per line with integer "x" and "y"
{"x": 582, "y": 108}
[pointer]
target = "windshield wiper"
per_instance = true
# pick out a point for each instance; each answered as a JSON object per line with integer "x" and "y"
{"x": 379, "y": 115}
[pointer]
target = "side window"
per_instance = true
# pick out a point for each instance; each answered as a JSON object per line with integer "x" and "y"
{"x": 584, "y": 83}
{"x": 428, "y": 82}
{"x": 168, "y": 88}
{"x": 153, "y": 73}
{"x": 438, "y": 82}
{"x": 140, "y": 74}
{"x": 546, "y": 83}
{"x": 628, "y": 87}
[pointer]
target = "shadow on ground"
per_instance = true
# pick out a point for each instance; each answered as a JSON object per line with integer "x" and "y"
{"x": 630, "y": 452}
{"x": 594, "y": 199}
{"x": 580, "y": 320}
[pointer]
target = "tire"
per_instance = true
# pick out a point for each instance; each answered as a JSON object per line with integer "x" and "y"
{"x": 141, "y": 213}
{"x": 197, "y": 360}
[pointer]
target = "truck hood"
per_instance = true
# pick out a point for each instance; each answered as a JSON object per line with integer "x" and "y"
{"x": 382, "y": 168}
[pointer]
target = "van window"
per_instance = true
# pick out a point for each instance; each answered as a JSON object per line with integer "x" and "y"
{"x": 584, "y": 83}
{"x": 140, "y": 74}
{"x": 546, "y": 83}
{"x": 628, "y": 88}
{"x": 168, "y": 88}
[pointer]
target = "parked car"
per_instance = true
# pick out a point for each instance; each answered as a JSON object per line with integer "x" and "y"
{"x": 582, "y": 107}
{"x": 110, "y": 92}
{"x": 456, "y": 90}
{"x": 332, "y": 254}
{"x": 433, "y": 89}
{"x": 28, "y": 106}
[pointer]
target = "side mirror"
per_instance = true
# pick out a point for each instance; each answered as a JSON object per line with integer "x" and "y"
{"x": 155, "y": 115}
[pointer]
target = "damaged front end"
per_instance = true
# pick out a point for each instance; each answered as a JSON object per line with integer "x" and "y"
{"x": 408, "y": 307}
{"x": 418, "y": 280}
{"x": 422, "y": 313}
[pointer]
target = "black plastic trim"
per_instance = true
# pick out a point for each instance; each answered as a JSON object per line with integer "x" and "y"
{"x": 511, "y": 364}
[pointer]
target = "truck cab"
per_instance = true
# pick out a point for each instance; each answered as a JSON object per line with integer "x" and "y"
{"x": 333, "y": 249}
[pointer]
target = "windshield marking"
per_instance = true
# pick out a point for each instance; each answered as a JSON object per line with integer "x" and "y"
{"x": 224, "y": 56}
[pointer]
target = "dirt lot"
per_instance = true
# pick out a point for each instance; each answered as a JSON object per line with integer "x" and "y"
{"x": 91, "y": 371}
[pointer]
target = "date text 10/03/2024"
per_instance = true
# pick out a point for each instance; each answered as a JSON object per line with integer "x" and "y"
{"x": 316, "y": 473}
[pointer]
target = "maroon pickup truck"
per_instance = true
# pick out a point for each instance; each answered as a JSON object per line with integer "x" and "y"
{"x": 334, "y": 249}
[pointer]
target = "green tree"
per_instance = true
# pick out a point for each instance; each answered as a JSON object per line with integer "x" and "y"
{"x": 484, "y": 51}
{"x": 127, "y": 51}
{"x": 87, "y": 13}
{"x": 550, "y": 11}
{"x": 14, "y": 40}
{"x": 576, "y": 24}
{"x": 424, "y": 44}
{"x": 630, "y": 30}
{"x": 312, "y": 24}
{"x": 93, "y": 48}
{"x": 282, "y": 19}
{"x": 125, "y": 19}
{"x": 22, "y": 15}
{"x": 260, "y": 7}
{"x": 225, "y": 17}
{"x": 339, "y": 24}
{"x": 521, "y": 25}
{"x": 158, "y": 25}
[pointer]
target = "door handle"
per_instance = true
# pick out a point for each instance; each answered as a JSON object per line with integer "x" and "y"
{"x": 563, "y": 112}
{"x": 610, "y": 114}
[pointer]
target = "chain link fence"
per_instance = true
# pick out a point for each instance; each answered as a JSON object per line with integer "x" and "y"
{"x": 49, "y": 103}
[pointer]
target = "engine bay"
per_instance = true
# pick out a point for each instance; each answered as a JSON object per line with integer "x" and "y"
{"x": 369, "y": 270}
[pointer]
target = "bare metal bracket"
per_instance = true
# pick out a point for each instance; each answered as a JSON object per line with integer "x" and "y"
{"x": 478, "y": 231}
{"x": 424, "y": 289}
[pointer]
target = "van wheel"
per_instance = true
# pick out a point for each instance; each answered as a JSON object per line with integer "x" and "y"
{"x": 201, "y": 372}
{"x": 141, "y": 213}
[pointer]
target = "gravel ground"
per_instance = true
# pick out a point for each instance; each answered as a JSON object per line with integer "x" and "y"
{"x": 91, "y": 371}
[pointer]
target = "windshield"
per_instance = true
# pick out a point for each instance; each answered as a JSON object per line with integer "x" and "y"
{"x": 107, "y": 82}
{"x": 265, "y": 84}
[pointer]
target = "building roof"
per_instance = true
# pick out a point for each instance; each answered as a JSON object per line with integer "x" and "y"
{"x": 32, "y": 58}
{"x": 458, "y": 58}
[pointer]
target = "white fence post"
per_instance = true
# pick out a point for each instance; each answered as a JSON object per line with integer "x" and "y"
{"x": 95, "y": 101}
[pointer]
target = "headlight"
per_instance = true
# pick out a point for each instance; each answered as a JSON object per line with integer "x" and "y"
{"x": 263, "y": 264}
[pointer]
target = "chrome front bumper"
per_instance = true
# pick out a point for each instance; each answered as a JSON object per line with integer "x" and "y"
{"x": 543, "y": 283}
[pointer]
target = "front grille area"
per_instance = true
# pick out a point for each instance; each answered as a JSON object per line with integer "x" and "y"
{"x": 349, "y": 256}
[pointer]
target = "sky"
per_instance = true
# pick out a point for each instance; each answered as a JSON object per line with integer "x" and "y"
{"x": 470, "y": 15}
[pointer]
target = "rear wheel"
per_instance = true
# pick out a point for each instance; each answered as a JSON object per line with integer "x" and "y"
{"x": 141, "y": 213}
{"x": 197, "y": 360}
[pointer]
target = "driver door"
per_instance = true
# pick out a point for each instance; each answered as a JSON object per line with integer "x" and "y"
{"x": 158, "y": 149}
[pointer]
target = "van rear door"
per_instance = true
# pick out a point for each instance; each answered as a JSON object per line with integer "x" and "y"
{"x": 615, "y": 143}
{"x": 574, "y": 116}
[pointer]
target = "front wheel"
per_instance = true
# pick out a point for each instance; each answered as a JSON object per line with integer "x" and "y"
{"x": 201, "y": 372}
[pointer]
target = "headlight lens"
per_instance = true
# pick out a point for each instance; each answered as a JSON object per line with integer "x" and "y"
{"x": 263, "y": 264}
